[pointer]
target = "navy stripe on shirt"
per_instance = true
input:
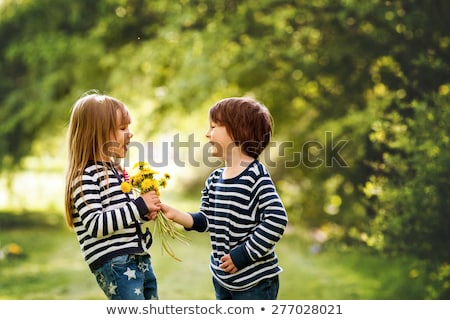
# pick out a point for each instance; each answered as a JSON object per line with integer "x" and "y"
{"x": 245, "y": 217}
{"x": 107, "y": 221}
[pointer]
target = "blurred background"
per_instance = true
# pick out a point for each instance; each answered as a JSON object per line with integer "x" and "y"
{"x": 359, "y": 92}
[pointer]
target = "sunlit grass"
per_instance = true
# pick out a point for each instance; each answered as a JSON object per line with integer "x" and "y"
{"x": 53, "y": 268}
{"x": 333, "y": 274}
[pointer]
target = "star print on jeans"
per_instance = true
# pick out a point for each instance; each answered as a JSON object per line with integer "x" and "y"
{"x": 112, "y": 288}
{"x": 102, "y": 280}
{"x": 143, "y": 266}
{"x": 131, "y": 274}
{"x": 137, "y": 291}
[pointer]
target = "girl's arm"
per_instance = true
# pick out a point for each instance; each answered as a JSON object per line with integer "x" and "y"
{"x": 100, "y": 222}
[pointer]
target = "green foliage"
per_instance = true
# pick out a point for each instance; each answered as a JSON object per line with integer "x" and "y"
{"x": 412, "y": 179}
{"x": 358, "y": 90}
{"x": 439, "y": 282}
{"x": 38, "y": 59}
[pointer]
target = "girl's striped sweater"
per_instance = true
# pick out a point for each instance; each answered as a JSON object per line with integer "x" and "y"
{"x": 107, "y": 221}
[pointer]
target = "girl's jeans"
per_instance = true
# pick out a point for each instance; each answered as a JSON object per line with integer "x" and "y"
{"x": 267, "y": 289}
{"x": 128, "y": 277}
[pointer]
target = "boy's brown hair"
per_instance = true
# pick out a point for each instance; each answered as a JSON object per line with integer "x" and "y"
{"x": 248, "y": 122}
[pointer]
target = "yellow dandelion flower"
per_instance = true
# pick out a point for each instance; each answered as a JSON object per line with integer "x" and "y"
{"x": 136, "y": 180}
{"x": 155, "y": 186}
{"x": 141, "y": 165}
{"x": 143, "y": 181}
{"x": 163, "y": 182}
{"x": 14, "y": 249}
{"x": 148, "y": 171}
{"x": 146, "y": 185}
{"x": 125, "y": 187}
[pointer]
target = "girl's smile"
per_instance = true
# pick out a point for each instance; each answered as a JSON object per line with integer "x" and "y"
{"x": 120, "y": 138}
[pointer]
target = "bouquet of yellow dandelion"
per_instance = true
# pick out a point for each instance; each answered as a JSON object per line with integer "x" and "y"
{"x": 144, "y": 181}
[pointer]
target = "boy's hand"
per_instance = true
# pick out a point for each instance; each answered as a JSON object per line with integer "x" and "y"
{"x": 168, "y": 211}
{"x": 227, "y": 264}
{"x": 183, "y": 218}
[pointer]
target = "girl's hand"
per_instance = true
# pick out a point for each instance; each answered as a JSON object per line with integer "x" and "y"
{"x": 227, "y": 264}
{"x": 152, "y": 215}
{"x": 152, "y": 201}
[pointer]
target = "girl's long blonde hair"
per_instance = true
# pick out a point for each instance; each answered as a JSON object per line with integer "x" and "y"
{"x": 93, "y": 119}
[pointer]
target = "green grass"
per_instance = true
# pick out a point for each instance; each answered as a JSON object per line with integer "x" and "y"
{"x": 53, "y": 268}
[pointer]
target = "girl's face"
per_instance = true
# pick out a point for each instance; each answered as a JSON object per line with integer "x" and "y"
{"x": 220, "y": 140}
{"x": 120, "y": 138}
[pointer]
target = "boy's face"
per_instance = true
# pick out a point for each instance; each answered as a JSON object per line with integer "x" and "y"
{"x": 220, "y": 140}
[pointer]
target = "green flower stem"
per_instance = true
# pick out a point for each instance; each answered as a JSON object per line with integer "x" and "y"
{"x": 165, "y": 229}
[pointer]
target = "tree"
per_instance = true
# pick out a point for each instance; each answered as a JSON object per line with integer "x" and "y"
{"x": 358, "y": 90}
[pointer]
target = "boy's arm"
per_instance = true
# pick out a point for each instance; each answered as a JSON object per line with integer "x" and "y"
{"x": 268, "y": 233}
{"x": 183, "y": 218}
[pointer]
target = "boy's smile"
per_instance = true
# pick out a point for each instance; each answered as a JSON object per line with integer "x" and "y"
{"x": 219, "y": 139}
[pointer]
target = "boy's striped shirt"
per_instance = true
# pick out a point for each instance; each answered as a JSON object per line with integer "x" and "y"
{"x": 245, "y": 217}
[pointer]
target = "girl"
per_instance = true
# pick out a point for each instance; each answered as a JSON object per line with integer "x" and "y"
{"x": 106, "y": 220}
{"x": 240, "y": 206}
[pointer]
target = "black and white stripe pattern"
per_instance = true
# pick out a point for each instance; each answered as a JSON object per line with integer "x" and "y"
{"x": 245, "y": 217}
{"x": 106, "y": 220}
